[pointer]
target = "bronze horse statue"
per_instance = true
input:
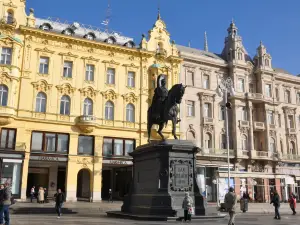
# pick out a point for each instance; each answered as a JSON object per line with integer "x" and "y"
{"x": 164, "y": 108}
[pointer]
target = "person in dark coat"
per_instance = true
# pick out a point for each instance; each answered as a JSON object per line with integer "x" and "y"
{"x": 59, "y": 200}
{"x": 276, "y": 203}
{"x": 45, "y": 195}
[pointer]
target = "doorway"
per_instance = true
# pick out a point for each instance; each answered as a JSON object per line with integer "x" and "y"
{"x": 61, "y": 179}
{"x": 38, "y": 177}
{"x": 106, "y": 183}
{"x": 83, "y": 185}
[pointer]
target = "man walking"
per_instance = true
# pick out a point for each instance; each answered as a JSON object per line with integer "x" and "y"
{"x": 230, "y": 204}
{"x": 5, "y": 202}
{"x": 59, "y": 200}
{"x": 276, "y": 203}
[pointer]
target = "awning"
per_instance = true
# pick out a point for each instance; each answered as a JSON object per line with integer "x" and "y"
{"x": 247, "y": 175}
{"x": 212, "y": 164}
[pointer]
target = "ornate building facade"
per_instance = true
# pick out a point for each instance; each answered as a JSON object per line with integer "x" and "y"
{"x": 73, "y": 102}
{"x": 263, "y": 120}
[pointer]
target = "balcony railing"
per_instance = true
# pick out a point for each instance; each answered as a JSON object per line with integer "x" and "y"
{"x": 262, "y": 154}
{"x": 8, "y": 20}
{"x": 259, "y": 125}
{"x": 292, "y": 157}
{"x": 207, "y": 120}
{"x": 244, "y": 123}
{"x": 291, "y": 130}
{"x": 217, "y": 152}
{"x": 256, "y": 96}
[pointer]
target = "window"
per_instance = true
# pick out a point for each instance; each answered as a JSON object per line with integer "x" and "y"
{"x": 6, "y": 56}
{"x": 131, "y": 79}
{"x": 287, "y": 97}
{"x": 88, "y": 107}
{"x": 90, "y": 36}
{"x": 298, "y": 98}
{"x": 240, "y": 56}
{"x": 117, "y": 146}
{"x": 49, "y": 142}
{"x": 89, "y": 73}
{"x": 8, "y": 138}
{"x": 272, "y": 145}
{"x": 46, "y": 27}
{"x": 222, "y": 112}
{"x": 244, "y": 142}
{"x": 270, "y": 117}
{"x": 44, "y": 65}
{"x": 85, "y": 145}
{"x": 277, "y": 94}
{"x": 110, "y": 76}
{"x": 267, "y": 63}
{"x": 207, "y": 141}
{"x": 251, "y": 88}
{"x": 65, "y": 105}
{"x": 3, "y": 95}
{"x": 290, "y": 121}
{"x": 109, "y": 110}
{"x": 206, "y": 82}
{"x": 292, "y": 148}
{"x": 281, "y": 147}
{"x": 68, "y": 66}
{"x": 223, "y": 141}
{"x": 241, "y": 85}
{"x": 110, "y": 41}
{"x": 268, "y": 90}
{"x": 130, "y": 114}
{"x": 207, "y": 110}
{"x": 279, "y": 120}
{"x": 41, "y": 101}
{"x": 10, "y": 18}
{"x": 190, "y": 108}
{"x": 190, "y": 78}
{"x": 244, "y": 114}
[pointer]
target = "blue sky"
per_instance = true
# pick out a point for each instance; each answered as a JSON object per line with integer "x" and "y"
{"x": 275, "y": 22}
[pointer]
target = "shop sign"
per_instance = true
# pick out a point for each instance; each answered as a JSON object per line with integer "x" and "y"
{"x": 49, "y": 158}
{"x": 117, "y": 162}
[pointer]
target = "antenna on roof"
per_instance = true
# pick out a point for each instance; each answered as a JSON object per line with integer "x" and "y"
{"x": 108, "y": 17}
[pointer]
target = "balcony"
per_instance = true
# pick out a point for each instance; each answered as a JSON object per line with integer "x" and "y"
{"x": 272, "y": 126}
{"x": 259, "y": 126}
{"x": 255, "y": 96}
{"x": 86, "y": 123}
{"x": 267, "y": 155}
{"x": 291, "y": 130}
{"x": 243, "y": 154}
{"x": 222, "y": 153}
{"x": 8, "y": 22}
{"x": 207, "y": 120}
{"x": 244, "y": 123}
{"x": 290, "y": 157}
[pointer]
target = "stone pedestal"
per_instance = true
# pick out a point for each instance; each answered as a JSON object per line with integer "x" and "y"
{"x": 162, "y": 173}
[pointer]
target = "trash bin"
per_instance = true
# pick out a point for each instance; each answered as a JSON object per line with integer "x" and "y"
{"x": 244, "y": 205}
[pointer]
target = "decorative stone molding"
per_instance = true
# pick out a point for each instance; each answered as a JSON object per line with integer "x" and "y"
{"x": 42, "y": 85}
{"x": 88, "y": 92}
{"x": 109, "y": 95}
{"x": 208, "y": 128}
{"x": 91, "y": 58}
{"x": 292, "y": 137}
{"x": 69, "y": 54}
{"x": 131, "y": 58}
{"x": 84, "y": 161}
{"x": 132, "y": 65}
{"x": 244, "y": 130}
{"x": 5, "y": 79}
{"x": 111, "y": 62}
{"x": 46, "y": 50}
{"x": 130, "y": 97}
{"x": 65, "y": 89}
{"x": 272, "y": 133}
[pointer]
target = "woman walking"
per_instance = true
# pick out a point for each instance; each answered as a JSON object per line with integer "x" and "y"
{"x": 41, "y": 195}
{"x": 187, "y": 205}
{"x": 276, "y": 203}
{"x": 292, "y": 201}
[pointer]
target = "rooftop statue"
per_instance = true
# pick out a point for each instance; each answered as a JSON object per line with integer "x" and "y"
{"x": 164, "y": 106}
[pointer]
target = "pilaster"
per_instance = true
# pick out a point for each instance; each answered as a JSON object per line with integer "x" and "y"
{"x": 251, "y": 139}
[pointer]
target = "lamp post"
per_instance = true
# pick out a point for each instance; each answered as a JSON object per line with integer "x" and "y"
{"x": 216, "y": 181}
{"x": 225, "y": 86}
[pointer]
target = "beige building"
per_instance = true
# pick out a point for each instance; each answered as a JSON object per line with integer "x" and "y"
{"x": 263, "y": 123}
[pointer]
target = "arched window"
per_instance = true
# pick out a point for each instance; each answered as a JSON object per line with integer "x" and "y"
{"x": 41, "y": 102}
{"x": 223, "y": 141}
{"x": 292, "y": 148}
{"x": 88, "y": 107}
{"x": 130, "y": 114}
{"x": 190, "y": 135}
{"x": 65, "y": 105}
{"x": 244, "y": 142}
{"x": 111, "y": 40}
{"x": 3, "y": 95}
{"x": 267, "y": 62}
{"x": 207, "y": 141}
{"x": 272, "y": 145}
{"x": 109, "y": 110}
{"x": 240, "y": 56}
{"x": 10, "y": 17}
{"x": 90, "y": 36}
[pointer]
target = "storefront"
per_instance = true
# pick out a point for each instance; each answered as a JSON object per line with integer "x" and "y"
{"x": 47, "y": 171}
{"x": 11, "y": 172}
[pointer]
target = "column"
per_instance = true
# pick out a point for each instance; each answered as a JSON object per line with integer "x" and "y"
{"x": 250, "y": 187}
{"x": 251, "y": 138}
{"x": 53, "y": 178}
{"x": 266, "y": 190}
{"x": 97, "y": 170}
{"x": 278, "y": 187}
{"x": 71, "y": 179}
{"x": 237, "y": 186}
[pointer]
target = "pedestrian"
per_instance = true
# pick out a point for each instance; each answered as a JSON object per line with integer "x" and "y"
{"x": 59, "y": 200}
{"x": 46, "y": 195}
{"x": 41, "y": 195}
{"x": 187, "y": 205}
{"x": 230, "y": 204}
{"x": 110, "y": 195}
{"x": 276, "y": 203}
{"x": 32, "y": 193}
{"x": 292, "y": 202}
{"x": 5, "y": 202}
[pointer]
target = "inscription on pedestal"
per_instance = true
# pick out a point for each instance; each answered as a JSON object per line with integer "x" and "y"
{"x": 181, "y": 178}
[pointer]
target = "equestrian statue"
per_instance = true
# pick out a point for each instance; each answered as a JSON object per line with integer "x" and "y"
{"x": 164, "y": 106}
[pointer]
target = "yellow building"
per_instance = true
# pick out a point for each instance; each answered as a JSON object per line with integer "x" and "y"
{"x": 74, "y": 102}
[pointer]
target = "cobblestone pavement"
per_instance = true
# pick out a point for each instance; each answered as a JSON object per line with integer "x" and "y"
{"x": 241, "y": 219}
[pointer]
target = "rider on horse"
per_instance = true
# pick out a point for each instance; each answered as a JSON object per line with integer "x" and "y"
{"x": 160, "y": 95}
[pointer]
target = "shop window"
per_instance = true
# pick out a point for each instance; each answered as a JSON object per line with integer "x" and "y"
{"x": 117, "y": 146}
{"x": 49, "y": 142}
{"x": 85, "y": 145}
{"x": 11, "y": 175}
{"x": 8, "y": 138}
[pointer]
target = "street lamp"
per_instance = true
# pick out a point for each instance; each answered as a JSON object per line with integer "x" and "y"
{"x": 225, "y": 86}
{"x": 217, "y": 183}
